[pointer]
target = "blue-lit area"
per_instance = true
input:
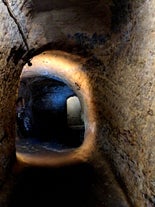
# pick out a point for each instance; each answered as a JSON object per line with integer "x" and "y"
{"x": 45, "y": 116}
{"x": 56, "y": 97}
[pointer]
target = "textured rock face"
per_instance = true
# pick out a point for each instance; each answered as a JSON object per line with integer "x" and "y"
{"x": 11, "y": 45}
{"x": 120, "y": 38}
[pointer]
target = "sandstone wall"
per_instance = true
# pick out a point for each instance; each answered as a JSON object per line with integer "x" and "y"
{"x": 120, "y": 38}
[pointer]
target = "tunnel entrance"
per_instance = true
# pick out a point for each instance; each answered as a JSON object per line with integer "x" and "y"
{"x": 55, "y": 116}
{"x": 55, "y": 110}
{"x": 48, "y": 113}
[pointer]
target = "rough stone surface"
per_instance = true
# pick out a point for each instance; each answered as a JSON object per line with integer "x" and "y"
{"x": 120, "y": 37}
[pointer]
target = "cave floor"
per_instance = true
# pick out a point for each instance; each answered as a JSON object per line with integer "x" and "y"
{"x": 73, "y": 186}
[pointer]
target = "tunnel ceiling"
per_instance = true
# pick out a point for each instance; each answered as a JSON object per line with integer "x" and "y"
{"x": 47, "y": 5}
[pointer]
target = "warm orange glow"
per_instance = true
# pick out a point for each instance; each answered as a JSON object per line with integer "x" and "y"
{"x": 69, "y": 68}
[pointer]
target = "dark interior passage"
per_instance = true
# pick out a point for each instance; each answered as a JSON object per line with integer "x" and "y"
{"x": 43, "y": 116}
{"x": 49, "y": 117}
{"x": 79, "y": 186}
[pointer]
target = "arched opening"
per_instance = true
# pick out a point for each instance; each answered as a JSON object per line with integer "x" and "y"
{"x": 48, "y": 113}
{"x": 74, "y": 112}
{"x": 48, "y": 135}
{"x": 73, "y": 185}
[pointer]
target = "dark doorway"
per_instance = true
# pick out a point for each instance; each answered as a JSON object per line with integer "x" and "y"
{"x": 45, "y": 116}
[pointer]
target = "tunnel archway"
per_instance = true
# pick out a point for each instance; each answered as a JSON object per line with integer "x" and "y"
{"x": 55, "y": 76}
{"x": 48, "y": 112}
{"x": 74, "y": 112}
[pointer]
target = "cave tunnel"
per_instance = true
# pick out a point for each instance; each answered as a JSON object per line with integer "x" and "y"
{"x": 51, "y": 117}
{"x": 77, "y": 103}
{"x": 49, "y": 111}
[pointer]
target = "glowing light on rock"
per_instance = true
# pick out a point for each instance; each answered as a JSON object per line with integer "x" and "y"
{"x": 69, "y": 68}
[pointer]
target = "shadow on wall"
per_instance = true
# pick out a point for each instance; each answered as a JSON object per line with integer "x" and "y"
{"x": 48, "y": 110}
{"x": 48, "y": 5}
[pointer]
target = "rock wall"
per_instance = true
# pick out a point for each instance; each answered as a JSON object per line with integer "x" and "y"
{"x": 119, "y": 36}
